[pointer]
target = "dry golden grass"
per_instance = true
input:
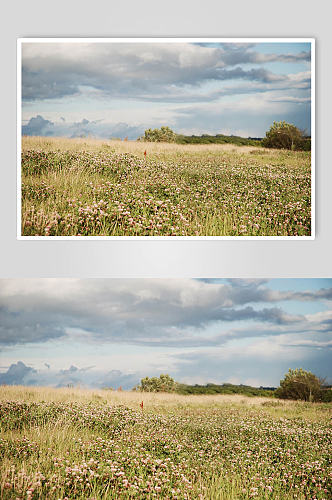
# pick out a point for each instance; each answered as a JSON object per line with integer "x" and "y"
{"x": 128, "y": 398}
{"x": 134, "y": 147}
{"x": 162, "y": 402}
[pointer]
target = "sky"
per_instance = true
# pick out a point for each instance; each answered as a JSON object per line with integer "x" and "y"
{"x": 119, "y": 90}
{"x": 113, "y": 332}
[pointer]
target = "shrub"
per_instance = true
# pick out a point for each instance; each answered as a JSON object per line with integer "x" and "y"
{"x": 326, "y": 395}
{"x": 300, "y": 384}
{"x": 284, "y": 135}
{"x": 164, "y": 383}
{"x": 164, "y": 134}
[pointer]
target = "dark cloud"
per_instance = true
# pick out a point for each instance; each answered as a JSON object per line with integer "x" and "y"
{"x": 42, "y": 85}
{"x": 141, "y": 70}
{"x": 265, "y": 82}
{"x": 38, "y": 126}
{"x": 323, "y": 293}
{"x": 28, "y": 326}
{"x": 143, "y": 312}
{"x": 259, "y": 74}
{"x": 114, "y": 311}
{"x": 238, "y": 282}
{"x": 17, "y": 374}
{"x": 73, "y": 75}
{"x": 327, "y": 346}
{"x": 248, "y": 282}
{"x": 243, "y": 55}
{"x": 71, "y": 370}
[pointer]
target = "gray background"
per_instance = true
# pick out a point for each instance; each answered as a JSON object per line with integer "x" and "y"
{"x": 210, "y": 258}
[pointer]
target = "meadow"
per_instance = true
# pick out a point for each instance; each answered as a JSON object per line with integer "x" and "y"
{"x": 100, "y": 444}
{"x": 89, "y": 187}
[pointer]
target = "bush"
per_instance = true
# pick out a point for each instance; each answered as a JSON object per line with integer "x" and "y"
{"x": 164, "y": 134}
{"x": 326, "y": 395}
{"x": 300, "y": 384}
{"x": 164, "y": 383}
{"x": 225, "y": 389}
{"x": 284, "y": 135}
{"x": 217, "y": 139}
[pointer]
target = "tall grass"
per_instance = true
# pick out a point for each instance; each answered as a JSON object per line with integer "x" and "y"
{"x": 135, "y": 147}
{"x": 99, "y": 444}
{"x": 109, "y": 188}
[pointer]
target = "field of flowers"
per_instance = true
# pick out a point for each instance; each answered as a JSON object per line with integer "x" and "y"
{"x": 95, "y": 188}
{"x": 94, "y": 448}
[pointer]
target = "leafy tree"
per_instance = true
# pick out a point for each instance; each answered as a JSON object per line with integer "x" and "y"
{"x": 284, "y": 135}
{"x": 164, "y": 134}
{"x": 163, "y": 383}
{"x": 300, "y": 384}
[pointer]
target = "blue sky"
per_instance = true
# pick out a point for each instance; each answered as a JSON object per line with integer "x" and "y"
{"x": 112, "y": 332}
{"x": 120, "y": 89}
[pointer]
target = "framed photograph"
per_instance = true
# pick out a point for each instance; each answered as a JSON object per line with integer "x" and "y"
{"x": 167, "y": 138}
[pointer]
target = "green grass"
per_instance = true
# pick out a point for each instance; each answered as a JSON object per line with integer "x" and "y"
{"x": 79, "y": 444}
{"x": 110, "y": 189}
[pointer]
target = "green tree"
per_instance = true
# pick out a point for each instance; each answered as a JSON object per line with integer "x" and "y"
{"x": 300, "y": 384}
{"x": 163, "y": 383}
{"x": 284, "y": 135}
{"x": 164, "y": 134}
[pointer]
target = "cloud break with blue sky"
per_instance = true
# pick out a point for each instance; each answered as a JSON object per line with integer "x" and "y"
{"x": 120, "y": 89}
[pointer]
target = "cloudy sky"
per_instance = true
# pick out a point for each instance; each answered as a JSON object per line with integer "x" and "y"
{"x": 112, "y": 332}
{"x": 120, "y": 89}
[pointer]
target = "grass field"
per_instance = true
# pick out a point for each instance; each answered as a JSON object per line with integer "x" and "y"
{"x": 81, "y": 444}
{"x": 91, "y": 187}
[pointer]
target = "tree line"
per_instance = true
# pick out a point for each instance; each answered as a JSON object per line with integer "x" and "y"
{"x": 298, "y": 384}
{"x": 281, "y": 135}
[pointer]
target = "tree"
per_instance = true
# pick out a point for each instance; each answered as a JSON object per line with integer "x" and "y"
{"x": 284, "y": 135}
{"x": 300, "y": 384}
{"x": 164, "y": 383}
{"x": 164, "y": 134}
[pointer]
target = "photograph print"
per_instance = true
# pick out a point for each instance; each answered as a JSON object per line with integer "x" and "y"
{"x": 165, "y": 138}
{"x": 191, "y": 389}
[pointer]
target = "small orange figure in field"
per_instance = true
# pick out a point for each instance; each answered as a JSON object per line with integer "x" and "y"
{"x": 145, "y": 154}
{"x": 141, "y": 405}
